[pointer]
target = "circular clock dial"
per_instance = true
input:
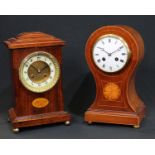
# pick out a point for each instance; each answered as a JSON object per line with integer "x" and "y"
{"x": 111, "y": 53}
{"x": 39, "y": 71}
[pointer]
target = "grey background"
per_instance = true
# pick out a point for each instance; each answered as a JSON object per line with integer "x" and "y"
{"x": 78, "y": 83}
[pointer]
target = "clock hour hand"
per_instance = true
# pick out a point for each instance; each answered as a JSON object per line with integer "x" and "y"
{"x": 37, "y": 69}
{"x": 43, "y": 68}
{"x": 116, "y": 50}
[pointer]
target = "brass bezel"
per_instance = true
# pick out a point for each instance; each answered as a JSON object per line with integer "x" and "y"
{"x": 51, "y": 84}
{"x": 125, "y": 44}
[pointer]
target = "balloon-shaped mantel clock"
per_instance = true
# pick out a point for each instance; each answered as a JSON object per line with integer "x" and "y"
{"x": 113, "y": 53}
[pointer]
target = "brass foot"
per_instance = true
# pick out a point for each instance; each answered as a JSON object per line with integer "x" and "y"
{"x": 15, "y": 130}
{"x": 8, "y": 119}
{"x": 89, "y": 123}
{"x": 136, "y": 126}
{"x": 67, "y": 123}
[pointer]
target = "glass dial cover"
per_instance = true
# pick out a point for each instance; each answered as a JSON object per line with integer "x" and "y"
{"x": 110, "y": 53}
{"x": 39, "y": 71}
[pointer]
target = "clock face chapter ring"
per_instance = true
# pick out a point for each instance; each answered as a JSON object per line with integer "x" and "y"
{"x": 110, "y": 53}
{"x": 39, "y": 71}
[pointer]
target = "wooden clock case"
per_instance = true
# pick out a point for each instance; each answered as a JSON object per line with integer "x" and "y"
{"x": 24, "y": 114}
{"x": 128, "y": 109}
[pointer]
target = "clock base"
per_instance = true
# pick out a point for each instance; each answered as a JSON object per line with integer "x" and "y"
{"x": 38, "y": 119}
{"x": 114, "y": 117}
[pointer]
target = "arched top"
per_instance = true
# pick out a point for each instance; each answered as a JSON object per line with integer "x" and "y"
{"x": 33, "y": 39}
{"x": 129, "y": 34}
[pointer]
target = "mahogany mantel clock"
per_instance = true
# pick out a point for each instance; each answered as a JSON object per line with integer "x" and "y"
{"x": 113, "y": 53}
{"x": 36, "y": 64}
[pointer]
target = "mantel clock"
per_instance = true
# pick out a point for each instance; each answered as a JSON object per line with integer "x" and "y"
{"x": 113, "y": 53}
{"x": 36, "y": 64}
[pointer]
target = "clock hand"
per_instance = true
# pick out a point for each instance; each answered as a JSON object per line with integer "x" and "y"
{"x": 43, "y": 68}
{"x": 109, "y": 54}
{"x": 115, "y": 51}
{"x": 35, "y": 68}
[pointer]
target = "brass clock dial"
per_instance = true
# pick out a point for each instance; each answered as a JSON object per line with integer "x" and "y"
{"x": 111, "y": 53}
{"x": 39, "y": 71}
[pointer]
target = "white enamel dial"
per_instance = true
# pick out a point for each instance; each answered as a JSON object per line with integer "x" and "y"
{"x": 111, "y": 53}
{"x": 39, "y": 71}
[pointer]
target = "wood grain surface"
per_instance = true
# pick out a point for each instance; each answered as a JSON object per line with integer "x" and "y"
{"x": 126, "y": 108}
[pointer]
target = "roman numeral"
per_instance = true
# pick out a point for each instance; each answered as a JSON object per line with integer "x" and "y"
{"x": 103, "y": 42}
{"x": 110, "y": 67}
{"x": 121, "y": 60}
{"x": 121, "y": 47}
{"x": 99, "y": 60}
{"x": 100, "y": 48}
{"x": 27, "y": 65}
{"x": 38, "y": 57}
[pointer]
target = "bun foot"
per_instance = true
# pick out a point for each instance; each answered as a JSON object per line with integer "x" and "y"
{"x": 136, "y": 126}
{"x": 8, "y": 119}
{"x": 15, "y": 130}
{"x": 89, "y": 123}
{"x": 67, "y": 123}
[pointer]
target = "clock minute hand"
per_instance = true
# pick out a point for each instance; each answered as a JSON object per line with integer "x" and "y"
{"x": 109, "y": 54}
{"x": 35, "y": 68}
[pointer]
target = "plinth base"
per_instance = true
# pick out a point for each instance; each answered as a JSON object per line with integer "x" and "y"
{"x": 114, "y": 117}
{"x": 37, "y": 119}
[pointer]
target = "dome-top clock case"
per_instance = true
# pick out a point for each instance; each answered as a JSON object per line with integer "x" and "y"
{"x": 113, "y": 54}
{"x": 36, "y": 64}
